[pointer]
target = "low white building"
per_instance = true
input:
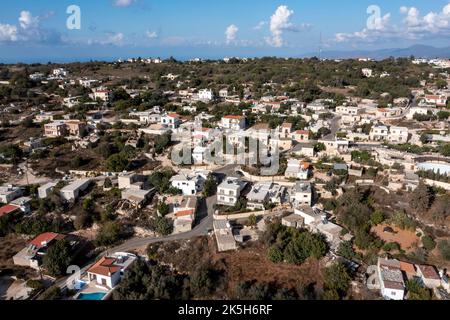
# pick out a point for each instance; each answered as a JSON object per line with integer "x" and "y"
{"x": 205, "y": 95}
{"x": 301, "y": 194}
{"x": 45, "y": 190}
{"x": 264, "y": 193}
{"x": 72, "y": 191}
{"x": 171, "y": 121}
{"x": 60, "y": 72}
{"x": 390, "y": 276}
{"x": 297, "y": 169}
{"x": 189, "y": 182}
{"x": 9, "y": 193}
{"x": 379, "y": 133}
{"x": 107, "y": 272}
{"x": 229, "y": 191}
{"x": 398, "y": 135}
{"x": 233, "y": 122}
{"x": 348, "y": 110}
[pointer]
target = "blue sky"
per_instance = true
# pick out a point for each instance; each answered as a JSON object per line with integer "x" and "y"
{"x": 33, "y": 30}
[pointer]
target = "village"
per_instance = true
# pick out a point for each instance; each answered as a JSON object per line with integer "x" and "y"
{"x": 103, "y": 167}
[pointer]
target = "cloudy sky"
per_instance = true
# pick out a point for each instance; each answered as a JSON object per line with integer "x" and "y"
{"x": 38, "y": 31}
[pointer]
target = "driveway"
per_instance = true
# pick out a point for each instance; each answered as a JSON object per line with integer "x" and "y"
{"x": 206, "y": 212}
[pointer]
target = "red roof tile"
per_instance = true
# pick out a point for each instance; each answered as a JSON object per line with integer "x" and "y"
{"x": 9, "y": 208}
{"x": 46, "y": 237}
{"x": 105, "y": 267}
{"x": 184, "y": 213}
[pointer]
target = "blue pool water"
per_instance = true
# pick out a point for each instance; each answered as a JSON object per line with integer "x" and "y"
{"x": 436, "y": 167}
{"x": 91, "y": 296}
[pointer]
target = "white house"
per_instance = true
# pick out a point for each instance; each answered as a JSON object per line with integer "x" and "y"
{"x": 223, "y": 93}
{"x": 367, "y": 72}
{"x": 309, "y": 214}
{"x": 233, "y": 122}
{"x": 438, "y": 100}
{"x": 301, "y": 194}
{"x": 390, "y": 276}
{"x": 72, "y": 191}
{"x": 9, "y": 193}
{"x": 265, "y": 192}
{"x": 44, "y": 190}
{"x": 189, "y": 182}
{"x": 297, "y": 169}
{"x": 304, "y": 149}
{"x": 347, "y": 110}
{"x": 205, "y": 95}
{"x": 229, "y": 191}
{"x": 398, "y": 135}
{"x": 171, "y": 121}
{"x": 429, "y": 276}
{"x": 60, "y": 72}
{"x": 107, "y": 272}
{"x": 104, "y": 95}
{"x": 379, "y": 133}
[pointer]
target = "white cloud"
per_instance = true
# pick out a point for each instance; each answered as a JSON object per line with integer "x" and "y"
{"x": 260, "y": 25}
{"x": 279, "y": 22}
{"x": 28, "y": 29}
{"x": 123, "y": 3}
{"x": 27, "y": 21}
{"x": 115, "y": 38}
{"x": 152, "y": 34}
{"x": 230, "y": 33}
{"x": 413, "y": 27}
{"x": 8, "y": 33}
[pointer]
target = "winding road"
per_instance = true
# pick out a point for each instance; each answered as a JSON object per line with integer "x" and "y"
{"x": 202, "y": 228}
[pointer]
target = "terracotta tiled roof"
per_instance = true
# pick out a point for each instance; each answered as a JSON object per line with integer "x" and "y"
{"x": 233, "y": 117}
{"x": 105, "y": 267}
{"x": 46, "y": 237}
{"x": 407, "y": 267}
{"x": 302, "y": 132}
{"x": 9, "y": 208}
{"x": 184, "y": 213}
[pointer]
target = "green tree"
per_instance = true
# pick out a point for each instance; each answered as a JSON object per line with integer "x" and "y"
{"x": 117, "y": 162}
{"x": 346, "y": 250}
{"x": 202, "y": 281}
{"x": 444, "y": 249}
{"x": 109, "y": 234}
{"x": 57, "y": 258}
{"x": 421, "y": 198}
{"x": 417, "y": 292}
{"x": 428, "y": 243}
{"x": 161, "y": 142}
{"x": 377, "y": 217}
{"x": 252, "y": 220}
{"x": 275, "y": 254}
{"x": 163, "y": 208}
{"x": 163, "y": 226}
{"x": 336, "y": 278}
{"x": 210, "y": 186}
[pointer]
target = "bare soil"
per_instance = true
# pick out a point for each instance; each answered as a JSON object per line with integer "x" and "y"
{"x": 405, "y": 238}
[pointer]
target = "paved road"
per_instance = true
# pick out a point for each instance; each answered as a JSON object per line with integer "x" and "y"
{"x": 202, "y": 228}
{"x": 335, "y": 125}
{"x": 412, "y": 103}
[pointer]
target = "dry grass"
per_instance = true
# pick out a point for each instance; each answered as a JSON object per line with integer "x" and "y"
{"x": 405, "y": 238}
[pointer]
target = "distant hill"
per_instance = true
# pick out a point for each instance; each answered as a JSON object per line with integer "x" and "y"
{"x": 418, "y": 51}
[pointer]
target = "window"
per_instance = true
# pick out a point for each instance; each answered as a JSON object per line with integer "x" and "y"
{"x": 393, "y": 293}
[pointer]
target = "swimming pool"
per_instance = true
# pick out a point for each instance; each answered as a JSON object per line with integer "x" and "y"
{"x": 91, "y": 296}
{"x": 436, "y": 167}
